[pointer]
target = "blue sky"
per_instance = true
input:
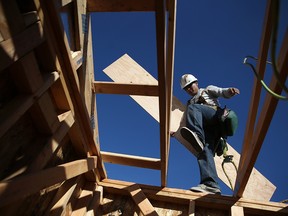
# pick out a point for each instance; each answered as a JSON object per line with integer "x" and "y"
{"x": 212, "y": 39}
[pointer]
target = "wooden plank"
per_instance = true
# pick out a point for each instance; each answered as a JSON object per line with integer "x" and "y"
{"x": 201, "y": 200}
{"x": 264, "y": 120}
{"x": 130, "y": 160}
{"x": 237, "y": 211}
{"x": 54, "y": 29}
{"x": 125, "y": 69}
{"x": 125, "y": 88}
{"x": 26, "y": 74}
{"x": 11, "y": 112}
{"x": 161, "y": 62}
{"x": 95, "y": 203}
{"x": 86, "y": 196}
{"x": 172, "y": 4}
{"x": 69, "y": 189}
{"x": 12, "y": 190}
{"x": 46, "y": 121}
{"x": 141, "y": 200}
{"x": 66, "y": 121}
{"x": 82, "y": 26}
{"x": 11, "y": 21}
{"x": 14, "y": 48}
{"x": 30, "y": 18}
{"x": 120, "y": 5}
{"x": 191, "y": 209}
{"x": 255, "y": 96}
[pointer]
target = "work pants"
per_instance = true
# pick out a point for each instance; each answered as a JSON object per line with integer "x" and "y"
{"x": 203, "y": 120}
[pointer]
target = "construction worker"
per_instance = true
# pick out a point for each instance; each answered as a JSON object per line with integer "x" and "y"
{"x": 202, "y": 128}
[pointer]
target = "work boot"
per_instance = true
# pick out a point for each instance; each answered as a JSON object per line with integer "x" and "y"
{"x": 192, "y": 138}
{"x": 205, "y": 189}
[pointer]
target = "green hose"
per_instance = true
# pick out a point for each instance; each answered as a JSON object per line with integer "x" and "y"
{"x": 262, "y": 82}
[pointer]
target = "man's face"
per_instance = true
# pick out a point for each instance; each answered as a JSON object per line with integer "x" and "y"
{"x": 192, "y": 89}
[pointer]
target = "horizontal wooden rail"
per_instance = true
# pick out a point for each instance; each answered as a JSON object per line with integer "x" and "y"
{"x": 126, "y": 89}
{"x": 12, "y": 111}
{"x": 130, "y": 160}
{"x": 24, "y": 186}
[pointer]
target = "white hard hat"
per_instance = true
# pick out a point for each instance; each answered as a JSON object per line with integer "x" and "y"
{"x": 187, "y": 79}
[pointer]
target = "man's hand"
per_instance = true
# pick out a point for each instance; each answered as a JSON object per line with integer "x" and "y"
{"x": 234, "y": 91}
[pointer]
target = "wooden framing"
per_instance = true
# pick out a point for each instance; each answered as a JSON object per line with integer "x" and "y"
{"x": 50, "y": 158}
{"x": 251, "y": 149}
{"x": 225, "y": 204}
{"x": 125, "y": 69}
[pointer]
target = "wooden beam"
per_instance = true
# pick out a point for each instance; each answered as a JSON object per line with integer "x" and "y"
{"x": 125, "y": 69}
{"x": 120, "y": 5}
{"x": 264, "y": 121}
{"x": 255, "y": 96}
{"x": 93, "y": 206}
{"x": 46, "y": 122}
{"x": 181, "y": 196}
{"x": 124, "y": 88}
{"x": 59, "y": 41}
{"x": 12, "y": 111}
{"x": 10, "y": 19}
{"x": 141, "y": 200}
{"x": 170, "y": 73}
{"x": 86, "y": 196}
{"x": 66, "y": 192}
{"x": 191, "y": 209}
{"x": 12, "y": 190}
{"x": 162, "y": 72}
{"x": 130, "y": 160}
{"x": 26, "y": 74}
{"x": 66, "y": 121}
{"x": 16, "y": 47}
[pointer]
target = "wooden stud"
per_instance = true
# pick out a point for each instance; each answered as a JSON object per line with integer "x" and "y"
{"x": 140, "y": 200}
{"x": 86, "y": 196}
{"x": 191, "y": 210}
{"x": 124, "y": 88}
{"x": 65, "y": 193}
{"x": 131, "y": 160}
{"x": 97, "y": 200}
{"x": 162, "y": 71}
